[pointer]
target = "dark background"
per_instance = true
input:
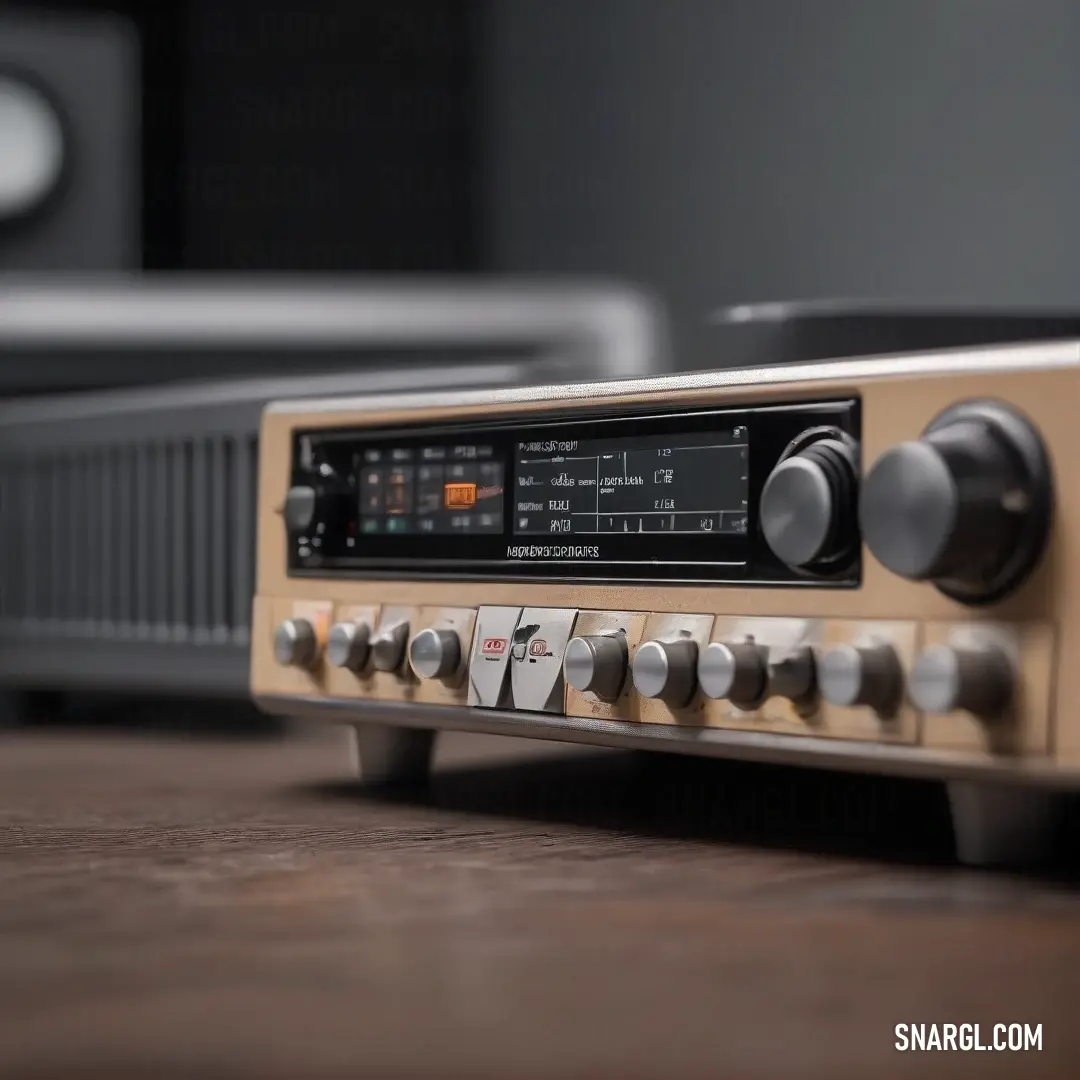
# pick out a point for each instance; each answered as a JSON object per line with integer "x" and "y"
{"x": 309, "y": 136}
{"x": 719, "y": 151}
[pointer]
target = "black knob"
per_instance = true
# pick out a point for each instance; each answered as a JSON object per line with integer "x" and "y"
{"x": 807, "y": 508}
{"x": 967, "y": 506}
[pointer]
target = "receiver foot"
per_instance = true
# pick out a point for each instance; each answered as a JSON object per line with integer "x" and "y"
{"x": 1001, "y": 826}
{"x": 393, "y": 755}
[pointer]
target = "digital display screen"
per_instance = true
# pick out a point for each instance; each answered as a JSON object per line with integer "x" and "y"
{"x": 597, "y": 494}
{"x": 434, "y": 490}
{"x": 690, "y": 483}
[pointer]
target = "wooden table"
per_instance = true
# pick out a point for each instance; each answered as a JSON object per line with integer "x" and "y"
{"x": 241, "y": 909}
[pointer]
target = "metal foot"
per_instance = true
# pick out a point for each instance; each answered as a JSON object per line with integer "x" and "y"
{"x": 1001, "y": 826}
{"x": 393, "y": 755}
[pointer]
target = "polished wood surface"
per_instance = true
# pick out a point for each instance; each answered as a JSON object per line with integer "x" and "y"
{"x": 239, "y": 909}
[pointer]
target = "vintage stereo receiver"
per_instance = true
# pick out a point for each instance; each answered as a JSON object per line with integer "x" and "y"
{"x": 866, "y": 564}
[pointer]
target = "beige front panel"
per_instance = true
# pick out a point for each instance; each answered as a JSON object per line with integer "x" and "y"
{"x": 894, "y": 409}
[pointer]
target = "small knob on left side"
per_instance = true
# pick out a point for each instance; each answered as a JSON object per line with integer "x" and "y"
{"x": 348, "y": 645}
{"x": 388, "y": 649}
{"x": 300, "y": 505}
{"x": 435, "y": 654}
{"x": 296, "y": 644}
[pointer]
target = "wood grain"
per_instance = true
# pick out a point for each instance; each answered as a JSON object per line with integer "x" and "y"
{"x": 240, "y": 910}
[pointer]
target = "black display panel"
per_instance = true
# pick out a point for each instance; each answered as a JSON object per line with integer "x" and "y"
{"x": 655, "y": 496}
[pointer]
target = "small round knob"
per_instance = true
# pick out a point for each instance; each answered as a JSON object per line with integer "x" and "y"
{"x": 667, "y": 670}
{"x": 348, "y": 645}
{"x": 966, "y": 506}
{"x": 597, "y": 664}
{"x": 944, "y": 677}
{"x": 793, "y": 673}
{"x": 869, "y": 675}
{"x": 736, "y": 672}
{"x": 388, "y": 649}
{"x": 296, "y": 644}
{"x": 807, "y": 505}
{"x": 434, "y": 654}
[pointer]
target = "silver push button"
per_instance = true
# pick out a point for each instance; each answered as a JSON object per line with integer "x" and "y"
{"x": 348, "y": 645}
{"x": 735, "y": 671}
{"x": 597, "y": 664}
{"x": 296, "y": 643}
{"x": 388, "y": 648}
{"x": 944, "y": 677}
{"x": 667, "y": 671}
{"x": 869, "y": 675}
{"x": 435, "y": 654}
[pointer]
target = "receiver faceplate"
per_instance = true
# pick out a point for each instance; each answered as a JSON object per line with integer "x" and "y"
{"x": 817, "y": 673}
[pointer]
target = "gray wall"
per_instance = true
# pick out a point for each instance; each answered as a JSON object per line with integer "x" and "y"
{"x": 734, "y": 150}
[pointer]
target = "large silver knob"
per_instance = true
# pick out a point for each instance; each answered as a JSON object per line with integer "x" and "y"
{"x": 981, "y": 680}
{"x": 733, "y": 671}
{"x": 967, "y": 506}
{"x": 868, "y": 675}
{"x": 388, "y": 649}
{"x": 435, "y": 654}
{"x": 597, "y": 664}
{"x": 793, "y": 673}
{"x": 296, "y": 644}
{"x": 348, "y": 645}
{"x": 667, "y": 670}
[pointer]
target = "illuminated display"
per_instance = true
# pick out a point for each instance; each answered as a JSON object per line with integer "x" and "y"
{"x": 433, "y": 490}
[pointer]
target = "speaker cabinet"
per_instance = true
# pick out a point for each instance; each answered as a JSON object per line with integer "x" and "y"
{"x": 69, "y": 143}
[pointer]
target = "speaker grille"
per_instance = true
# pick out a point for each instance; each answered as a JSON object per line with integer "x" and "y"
{"x": 126, "y": 539}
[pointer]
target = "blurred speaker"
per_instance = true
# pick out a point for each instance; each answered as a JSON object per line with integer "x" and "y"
{"x": 69, "y": 143}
